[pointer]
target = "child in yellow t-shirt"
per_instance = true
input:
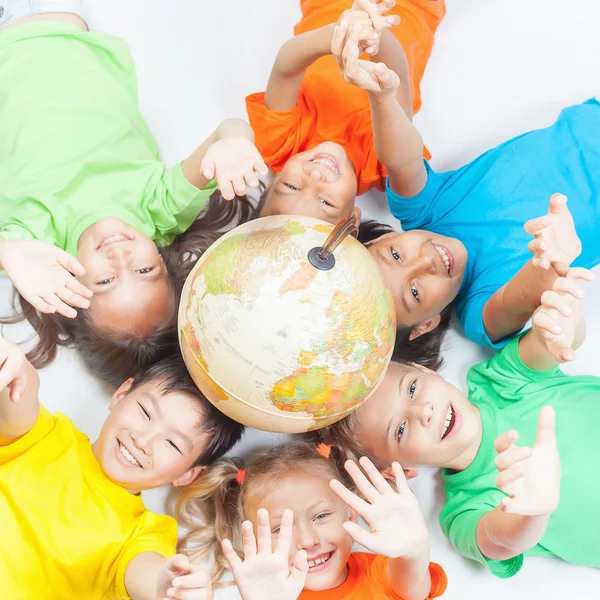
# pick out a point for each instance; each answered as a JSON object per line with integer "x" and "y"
{"x": 73, "y": 521}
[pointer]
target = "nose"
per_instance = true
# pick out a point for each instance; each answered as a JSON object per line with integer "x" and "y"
{"x": 424, "y": 413}
{"x": 422, "y": 263}
{"x": 143, "y": 441}
{"x": 314, "y": 172}
{"x": 306, "y": 537}
{"x": 119, "y": 252}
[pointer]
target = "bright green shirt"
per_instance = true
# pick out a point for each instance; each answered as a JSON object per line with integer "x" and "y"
{"x": 509, "y": 395}
{"x": 74, "y": 147}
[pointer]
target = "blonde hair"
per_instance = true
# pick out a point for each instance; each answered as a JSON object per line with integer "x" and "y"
{"x": 212, "y": 508}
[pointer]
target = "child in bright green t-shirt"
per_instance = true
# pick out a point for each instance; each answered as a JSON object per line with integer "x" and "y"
{"x": 84, "y": 192}
{"x": 503, "y": 499}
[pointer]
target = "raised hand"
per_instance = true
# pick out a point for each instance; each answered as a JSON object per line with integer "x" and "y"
{"x": 234, "y": 162}
{"x": 43, "y": 275}
{"x": 370, "y": 76}
{"x": 397, "y": 527}
{"x": 373, "y": 20}
{"x": 181, "y": 580}
{"x": 264, "y": 574}
{"x": 556, "y": 321}
{"x": 530, "y": 476}
{"x": 555, "y": 239}
{"x": 13, "y": 371}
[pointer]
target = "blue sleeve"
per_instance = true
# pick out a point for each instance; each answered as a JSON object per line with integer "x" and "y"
{"x": 418, "y": 212}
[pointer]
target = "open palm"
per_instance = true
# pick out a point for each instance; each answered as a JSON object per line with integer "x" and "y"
{"x": 264, "y": 574}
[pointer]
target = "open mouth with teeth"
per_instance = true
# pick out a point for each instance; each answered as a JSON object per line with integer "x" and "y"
{"x": 446, "y": 257}
{"x": 128, "y": 456}
{"x": 327, "y": 162}
{"x": 449, "y": 422}
{"x": 113, "y": 238}
{"x": 319, "y": 563}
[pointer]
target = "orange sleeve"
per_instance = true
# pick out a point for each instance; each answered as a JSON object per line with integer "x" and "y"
{"x": 439, "y": 581}
{"x": 279, "y": 134}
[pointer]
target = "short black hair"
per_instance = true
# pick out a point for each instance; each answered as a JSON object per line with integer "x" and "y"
{"x": 172, "y": 375}
{"x": 425, "y": 350}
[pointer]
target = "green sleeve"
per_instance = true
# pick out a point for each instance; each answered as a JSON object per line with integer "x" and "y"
{"x": 11, "y": 232}
{"x": 459, "y": 523}
{"x": 174, "y": 203}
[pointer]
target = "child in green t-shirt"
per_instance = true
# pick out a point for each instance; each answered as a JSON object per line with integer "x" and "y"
{"x": 90, "y": 217}
{"x": 503, "y": 500}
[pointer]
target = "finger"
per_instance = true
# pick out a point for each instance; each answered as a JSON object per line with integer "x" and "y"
{"x": 337, "y": 41}
{"x": 542, "y": 320}
{"x": 580, "y": 273}
{"x": 300, "y": 567}
{"x": 9, "y": 371}
{"x": 251, "y": 180}
{"x": 60, "y": 306}
{"x": 264, "y": 532}
{"x": 179, "y": 565}
{"x": 546, "y": 433}
{"x": 561, "y": 352}
{"x": 350, "y": 51}
{"x": 540, "y": 263}
{"x": 18, "y": 384}
{"x": 261, "y": 167}
{"x": 401, "y": 482}
{"x": 510, "y": 457}
{"x": 377, "y": 479}
{"x": 70, "y": 263}
{"x": 202, "y": 593}
{"x": 509, "y": 476}
{"x": 550, "y": 299}
{"x": 239, "y": 186}
{"x": 385, "y": 6}
{"x": 197, "y": 579}
{"x": 571, "y": 286}
{"x": 537, "y": 245}
{"x": 73, "y": 299}
{"x": 78, "y": 288}
{"x": 40, "y": 305}
{"x": 226, "y": 190}
{"x": 537, "y": 225}
{"x": 358, "y": 534}
{"x": 248, "y": 540}
{"x": 208, "y": 168}
{"x": 231, "y": 555}
{"x": 557, "y": 202}
{"x": 362, "y": 483}
{"x": 504, "y": 440}
{"x": 386, "y": 77}
{"x": 284, "y": 539}
{"x": 351, "y": 499}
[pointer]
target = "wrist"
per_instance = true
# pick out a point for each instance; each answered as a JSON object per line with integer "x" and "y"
{"x": 233, "y": 128}
{"x": 382, "y": 98}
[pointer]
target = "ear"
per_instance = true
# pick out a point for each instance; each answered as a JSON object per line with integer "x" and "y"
{"x": 357, "y": 214}
{"x": 120, "y": 393}
{"x": 190, "y": 476}
{"x": 424, "y": 327}
{"x": 409, "y": 473}
{"x": 424, "y": 369}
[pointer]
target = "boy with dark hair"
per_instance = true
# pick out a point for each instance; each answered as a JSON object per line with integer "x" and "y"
{"x": 73, "y": 521}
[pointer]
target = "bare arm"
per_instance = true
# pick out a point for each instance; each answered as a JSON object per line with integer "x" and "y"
{"x": 294, "y": 57}
{"x": 19, "y": 403}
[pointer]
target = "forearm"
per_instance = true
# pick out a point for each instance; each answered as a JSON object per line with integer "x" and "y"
{"x": 514, "y": 303}
{"x": 17, "y": 418}
{"x": 409, "y": 577}
{"x": 398, "y": 145}
{"x": 392, "y": 55}
{"x": 501, "y": 536}
{"x": 294, "y": 57}
{"x": 191, "y": 166}
{"x": 141, "y": 575}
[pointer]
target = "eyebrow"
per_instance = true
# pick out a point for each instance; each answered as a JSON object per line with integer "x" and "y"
{"x": 184, "y": 438}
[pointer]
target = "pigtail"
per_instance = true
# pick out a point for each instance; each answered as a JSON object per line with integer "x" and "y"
{"x": 211, "y": 510}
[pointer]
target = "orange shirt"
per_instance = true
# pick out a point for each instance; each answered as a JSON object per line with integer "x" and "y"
{"x": 367, "y": 580}
{"x": 329, "y": 108}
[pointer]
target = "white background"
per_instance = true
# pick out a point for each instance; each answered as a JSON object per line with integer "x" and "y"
{"x": 499, "y": 68}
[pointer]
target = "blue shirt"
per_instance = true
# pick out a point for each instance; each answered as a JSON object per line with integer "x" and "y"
{"x": 486, "y": 203}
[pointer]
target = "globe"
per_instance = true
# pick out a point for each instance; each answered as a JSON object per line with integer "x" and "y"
{"x": 275, "y": 342}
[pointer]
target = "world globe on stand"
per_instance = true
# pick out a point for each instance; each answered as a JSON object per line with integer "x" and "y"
{"x": 277, "y": 343}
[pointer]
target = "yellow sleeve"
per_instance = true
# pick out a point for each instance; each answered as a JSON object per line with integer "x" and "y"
{"x": 13, "y": 449}
{"x": 154, "y": 533}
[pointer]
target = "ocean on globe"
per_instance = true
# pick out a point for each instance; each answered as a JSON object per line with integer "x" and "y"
{"x": 274, "y": 342}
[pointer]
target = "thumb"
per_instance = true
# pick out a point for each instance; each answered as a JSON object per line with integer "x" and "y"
{"x": 300, "y": 567}
{"x": 557, "y": 201}
{"x": 70, "y": 263}
{"x": 386, "y": 77}
{"x": 358, "y": 534}
{"x": 546, "y": 433}
{"x": 208, "y": 169}
{"x": 179, "y": 565}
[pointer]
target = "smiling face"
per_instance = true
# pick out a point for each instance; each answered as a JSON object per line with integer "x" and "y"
{"x": 417, "y": 418}
{"x": 319, "y": 515}
{"x": 319, "y": 183}
{"x": 128, "y": 278}
{"x": 424, "y": 271}
{"x": 150, "y": 438}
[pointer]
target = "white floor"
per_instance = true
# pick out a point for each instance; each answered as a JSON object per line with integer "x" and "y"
{"x": 499, "y": 68}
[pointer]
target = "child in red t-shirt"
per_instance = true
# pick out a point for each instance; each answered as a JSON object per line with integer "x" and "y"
{"x": 292, "y": 496}
{"x": 313, "y": 128}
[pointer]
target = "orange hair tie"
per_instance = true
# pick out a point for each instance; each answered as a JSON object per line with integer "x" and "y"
{"x": 324, "y": 450}
{"x": 241, "y": 476}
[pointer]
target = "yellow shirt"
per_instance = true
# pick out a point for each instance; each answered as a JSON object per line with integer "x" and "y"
{"x": 66, "y": 530}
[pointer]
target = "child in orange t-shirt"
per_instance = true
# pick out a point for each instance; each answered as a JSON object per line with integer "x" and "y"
{"x": 313, "y": 128}
{"x": 293, "y": 498}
